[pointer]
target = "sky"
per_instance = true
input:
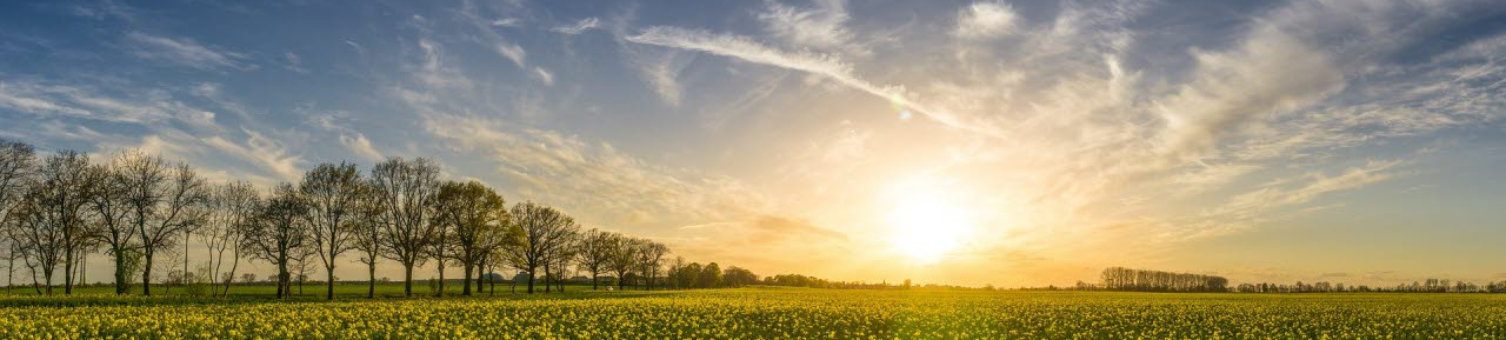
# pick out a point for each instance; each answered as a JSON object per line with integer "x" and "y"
{"x": 1013, "y": 143}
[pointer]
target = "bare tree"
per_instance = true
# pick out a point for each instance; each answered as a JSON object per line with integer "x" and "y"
{"x": 557, "y": 268}
{"x": 277, "y": 233}
{"x": 543, "y": 230}
{"x": 651, "y": 258}
{"x": 52, "y": 215}
{"x": 230, "y": 207}
{"x": 406, "y": 190}
{"x": 162, "y": 200}
{"x": 333, "y": 193}
{"x": 108, "y": 196}
{"x": 17, "y": 165}
{"x": 478, "y": 222}
{"x": 595, "y": 249}
{"x": 624, "y": 257}
{"x": 368, "y": 236}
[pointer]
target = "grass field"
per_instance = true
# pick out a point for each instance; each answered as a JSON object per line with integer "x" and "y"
{"x": 780, "y": 313}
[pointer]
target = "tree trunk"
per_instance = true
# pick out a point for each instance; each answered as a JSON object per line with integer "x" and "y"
{"x": 440, "y": 292}
{"x": 120, "y": 275}
{"x": 595, "y": 280}
{"x": 146, "y": 272}
{"x": 235, "y": 262}
{"x": 408, "y": 279}
{"x": 371, "y": 283}
{"x": 68, "y": 271}
{"x": 284, "y": 283}
{"x": 547, "y": 275}
{"x": 330, "y": 275}
{"x": 530, "y": 279}
{"x": 465, "y": 280}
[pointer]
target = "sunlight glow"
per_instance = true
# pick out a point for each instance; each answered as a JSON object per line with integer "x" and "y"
{"x": 927, "y": 221}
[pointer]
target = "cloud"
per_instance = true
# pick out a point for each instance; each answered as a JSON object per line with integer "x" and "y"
{"x": 1265, "y": 203}
{"x": 357, "y": 143}
{"x": 821, "y": 27}
{"x": 988, "y": 19}
{"x": 434, "y": 72}
{"x": 184, "y": 52}
{"x": 106, "y": 9}
{"x": 745, "y": 49}
{"x": 578, "y": 27}
{"x": 512, "y": 52}
{"x": 1269, "y": 73}
{"x": 543, "y": 76}
{"x": 564, "y": 170}
{"x": 507, "y": 22}
{"x": 662, "y": 72}
{"x": 87, "y": 103}
{"x": 260, "y": 151}
{"x": 295, "y": 63}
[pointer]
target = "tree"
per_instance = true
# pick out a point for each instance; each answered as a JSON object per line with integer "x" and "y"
{"x": 595, "y": 249}
{"x": 333, "y": 193}
{"x": 108, "y": 194}
{"x": 711, "y": 276}
{"x": 557, "y": 263}
{"x": 52, "y": 215}
{"x": 17, "y": 163}
{"x": 406, "y": 190}
{"x": 368, "y": 237}
{"x": 277, "y": 233}
{"x": 624, "y": 257}
{"x": 161, "y": 201}
{"x": 650, "y": 258}
{"x": 230, "y": 208}
{"x": 477, "y": 219}
{"x": 543, "y": 229}
{"x": 736, "y": 276}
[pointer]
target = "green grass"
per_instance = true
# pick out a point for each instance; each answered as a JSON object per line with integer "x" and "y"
{"x": 771, "y": 313}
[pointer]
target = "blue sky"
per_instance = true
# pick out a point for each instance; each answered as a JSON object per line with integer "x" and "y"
{"x": 1004, "y": 142}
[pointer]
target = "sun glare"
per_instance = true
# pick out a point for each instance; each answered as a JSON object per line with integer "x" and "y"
{"x": 926, "y": 220}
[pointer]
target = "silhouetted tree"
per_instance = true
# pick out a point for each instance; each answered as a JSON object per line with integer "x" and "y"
{"x": 478, "y": 222}
{"x": 161, "y": 199}
{"x": 711, "y": 276}
{"x": 543, "y": 229}
{"x": 595, "y": 249}
{"x": 231, "y": 207}
{"x": 277, "y": 234}
{"x": 406, "y": 190}
{"x": 333, "y": 193}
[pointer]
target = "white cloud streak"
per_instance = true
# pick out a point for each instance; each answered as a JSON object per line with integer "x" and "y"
{"x": 184, "y": 52}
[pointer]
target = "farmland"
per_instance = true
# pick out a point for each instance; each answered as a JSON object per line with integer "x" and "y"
{"x": 769, "y": 313}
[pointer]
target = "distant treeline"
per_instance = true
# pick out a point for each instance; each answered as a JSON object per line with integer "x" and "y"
{"x": 1426, "y": 286}
{"x": 1126, "y": 279}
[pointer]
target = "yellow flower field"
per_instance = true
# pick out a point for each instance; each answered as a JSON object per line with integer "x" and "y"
{"x": 771, "y": 313}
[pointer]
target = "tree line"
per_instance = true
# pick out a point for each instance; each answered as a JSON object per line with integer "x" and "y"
{"x": 1424, "y": 286}
{"x": 1126, "y": 279}
{"x": 56, "y": 209}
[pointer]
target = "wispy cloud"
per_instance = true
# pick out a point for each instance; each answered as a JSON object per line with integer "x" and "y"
{"x": 507, "y": 22}
{"x": 185, "y": 52}
{"x": 579, "y": 26}
{"x": 987, "y": 19}
{"x": 822, "y": 27}
{"x": 748, "y": 50}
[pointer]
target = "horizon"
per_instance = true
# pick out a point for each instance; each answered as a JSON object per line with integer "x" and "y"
{"x": 968, "y": 143}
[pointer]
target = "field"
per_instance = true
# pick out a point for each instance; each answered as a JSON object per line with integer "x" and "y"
{"x": 779, "y": 313}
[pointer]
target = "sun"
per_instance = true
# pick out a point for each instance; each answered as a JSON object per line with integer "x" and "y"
{"x": 926, "y": 220}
